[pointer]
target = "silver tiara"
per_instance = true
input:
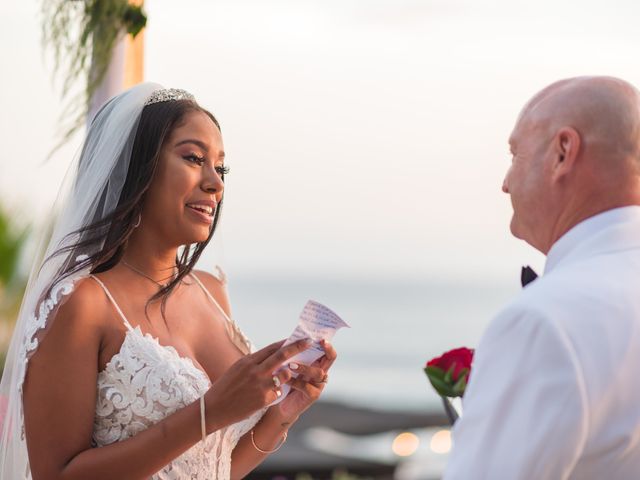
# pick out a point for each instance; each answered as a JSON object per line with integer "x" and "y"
{"x": 169, "y": 95}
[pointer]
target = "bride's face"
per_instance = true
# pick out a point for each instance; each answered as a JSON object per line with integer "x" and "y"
{"x": 187, "y": 187}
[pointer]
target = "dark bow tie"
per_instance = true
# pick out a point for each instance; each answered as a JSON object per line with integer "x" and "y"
{"x": 527, "y": 275}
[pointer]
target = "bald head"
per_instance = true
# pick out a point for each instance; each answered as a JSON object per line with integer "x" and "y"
{"x": 576, "y": 153}
{"x": 605, "y": 111}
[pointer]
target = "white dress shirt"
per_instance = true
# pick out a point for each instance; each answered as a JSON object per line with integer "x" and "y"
{"x": 554, "y": 391}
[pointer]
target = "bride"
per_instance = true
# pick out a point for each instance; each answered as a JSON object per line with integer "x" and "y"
{"x": 125, "y": 363}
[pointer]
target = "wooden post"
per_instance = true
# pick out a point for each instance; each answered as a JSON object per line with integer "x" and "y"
{"x": 134, "y": 56}
{"x": 125, "y": 70}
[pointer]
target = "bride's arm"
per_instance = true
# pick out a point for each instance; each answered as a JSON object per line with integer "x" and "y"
{"x": 60, "y": 400}
{"x": 268, "y": 434}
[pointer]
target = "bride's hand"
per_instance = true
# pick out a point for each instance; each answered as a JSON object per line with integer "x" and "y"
{"x": 307, "y": 387}
{"x": 249, "y": 384}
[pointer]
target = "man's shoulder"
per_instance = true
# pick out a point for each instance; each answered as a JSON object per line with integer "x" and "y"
{"x": 520, "y": 315}
{"x": 547, "y": 302}
{"x": 594, "y": 279}
{"x": 578, "y": 301}
{"x": 538, "y": 299}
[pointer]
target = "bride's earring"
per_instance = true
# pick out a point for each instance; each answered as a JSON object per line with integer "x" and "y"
{"x": 137, "y": 224}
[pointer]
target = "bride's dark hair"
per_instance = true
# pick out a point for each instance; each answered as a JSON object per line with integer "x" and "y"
{"x": 110, "y": 234}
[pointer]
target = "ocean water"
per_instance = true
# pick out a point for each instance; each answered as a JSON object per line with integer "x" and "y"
{"x": 396, "y": 326}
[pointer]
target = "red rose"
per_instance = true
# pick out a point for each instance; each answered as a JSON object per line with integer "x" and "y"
{"x": 449, "y": 373}
{"x": 458, "y": 358}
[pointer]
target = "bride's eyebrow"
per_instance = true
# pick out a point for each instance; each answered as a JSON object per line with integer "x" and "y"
{"x": 200, "y": 144}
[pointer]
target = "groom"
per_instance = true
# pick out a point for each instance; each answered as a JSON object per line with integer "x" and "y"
{"x": 555, "y": 387}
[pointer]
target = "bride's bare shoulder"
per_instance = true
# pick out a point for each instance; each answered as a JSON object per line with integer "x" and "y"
{"x": 75, "y": 329}
{"x": 216, "y": 285}
{"x": 86, "y": 307}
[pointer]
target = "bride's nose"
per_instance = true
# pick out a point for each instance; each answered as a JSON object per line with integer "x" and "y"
{"x": 212, "y": 181}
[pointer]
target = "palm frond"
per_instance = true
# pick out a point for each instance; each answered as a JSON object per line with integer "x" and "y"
{"x": 82, "y": 36}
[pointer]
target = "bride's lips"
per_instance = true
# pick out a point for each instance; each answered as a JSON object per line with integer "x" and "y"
{"x": 202, "y": 211}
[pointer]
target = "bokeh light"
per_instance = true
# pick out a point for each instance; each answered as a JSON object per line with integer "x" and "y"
{"x": 441, "y": 441}
{"x": 405, "y": 444}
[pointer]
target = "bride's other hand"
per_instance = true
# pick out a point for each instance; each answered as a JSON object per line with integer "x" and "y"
{"x": 307, "y": 387}
{"x": 249, "y": 384}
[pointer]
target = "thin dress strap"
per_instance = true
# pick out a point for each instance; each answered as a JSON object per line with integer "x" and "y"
{"x": 237, "y": 337}
{"x": 117, "y": 307}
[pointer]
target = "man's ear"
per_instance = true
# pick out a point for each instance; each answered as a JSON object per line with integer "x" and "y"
{"x": 566, "y": 147}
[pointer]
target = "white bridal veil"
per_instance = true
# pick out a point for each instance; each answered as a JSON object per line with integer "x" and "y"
{"x": 91, "y": 192}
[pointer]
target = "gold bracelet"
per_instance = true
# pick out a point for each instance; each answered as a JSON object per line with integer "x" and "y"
{"x": 284, "y": 439}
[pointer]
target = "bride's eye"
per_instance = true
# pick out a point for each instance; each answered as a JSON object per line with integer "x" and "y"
{"x": 222, "y": 170}
{"x": 193, "y": 158}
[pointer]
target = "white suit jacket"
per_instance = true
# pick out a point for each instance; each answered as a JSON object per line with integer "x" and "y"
{"x": 554, "y": 391}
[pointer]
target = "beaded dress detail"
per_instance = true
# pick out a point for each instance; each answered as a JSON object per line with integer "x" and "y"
{"x": 146, "y": 381}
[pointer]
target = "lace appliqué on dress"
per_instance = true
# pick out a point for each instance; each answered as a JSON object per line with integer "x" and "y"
{"x": 36, "y": 322}
{"x": 144, "y": 383}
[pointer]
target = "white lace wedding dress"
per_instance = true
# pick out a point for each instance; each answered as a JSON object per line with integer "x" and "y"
{"x": 145, "y": 382}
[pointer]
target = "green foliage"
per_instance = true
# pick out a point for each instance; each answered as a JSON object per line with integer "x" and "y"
{"x": 12, "y": 283}
{"x": 338, "y": 474}
{"x": 82, "y": 35}
{"x": 344, "y": 475}
{"x": 443, "y": 381}
{"x": 3, "y": 358}
{"x": 11, "y": 243}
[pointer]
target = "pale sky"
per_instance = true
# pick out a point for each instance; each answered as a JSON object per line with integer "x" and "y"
{"x": 364, "y": 137}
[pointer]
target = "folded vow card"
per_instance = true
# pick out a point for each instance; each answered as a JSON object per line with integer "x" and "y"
{"x": 316, "y": 322}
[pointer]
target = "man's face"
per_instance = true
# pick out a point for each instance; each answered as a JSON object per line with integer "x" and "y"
{"x": 526, "y": 181}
